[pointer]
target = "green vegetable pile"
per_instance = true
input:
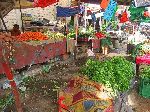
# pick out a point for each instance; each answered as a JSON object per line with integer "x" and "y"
{"x": 145, "y": 73}
{"x": 55, "y": 35}
{"x": 115, "y": 73}
{"x": 88, "y": 33}
{"x": 136, "y": 51}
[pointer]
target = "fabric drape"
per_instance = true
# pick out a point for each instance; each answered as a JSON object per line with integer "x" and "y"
{"x": 67, "y": 11}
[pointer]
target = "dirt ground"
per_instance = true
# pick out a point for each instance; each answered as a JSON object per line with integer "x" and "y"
{"x": 42, "y": 89}
{"x": 43, "y": 98}
{"x": 138, "y": 103}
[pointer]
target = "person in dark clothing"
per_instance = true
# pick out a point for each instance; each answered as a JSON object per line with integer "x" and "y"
{"x": 15, "y": 31}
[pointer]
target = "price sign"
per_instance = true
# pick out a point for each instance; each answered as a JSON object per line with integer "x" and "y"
{"x": 140, "y": 3}
{"x": 108, "y": 14}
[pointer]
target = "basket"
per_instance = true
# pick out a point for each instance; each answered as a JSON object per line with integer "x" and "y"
{"x": 145, "y": 88}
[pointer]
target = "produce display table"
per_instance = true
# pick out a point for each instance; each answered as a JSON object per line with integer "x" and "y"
{"x": 24, "y": 53}
{"x": 142, "y": 60}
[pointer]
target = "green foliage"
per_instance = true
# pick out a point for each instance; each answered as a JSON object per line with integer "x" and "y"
{"x": 6, "y": 101}
{"x": 145, "y": 73}
{"x": 46, "y": 68}
{"x": 115, "y": 73}
{"x": 88, "y": 33}
{"x": 111, "y": 23}
{"x": 136, "y": 51}
{"x": 71, "y": 23}
{"x": 53, "y": 35}
{"x": 72, "y": 33}
{"x": 27, "y": 80}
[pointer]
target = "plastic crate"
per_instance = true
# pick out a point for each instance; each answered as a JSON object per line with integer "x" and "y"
{"x": 145, "y": 88}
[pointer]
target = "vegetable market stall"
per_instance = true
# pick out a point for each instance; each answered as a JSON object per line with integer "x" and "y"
{"x": 30, "y": 52}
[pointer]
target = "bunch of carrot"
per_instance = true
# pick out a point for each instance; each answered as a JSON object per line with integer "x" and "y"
{"x": 27, "y": 36}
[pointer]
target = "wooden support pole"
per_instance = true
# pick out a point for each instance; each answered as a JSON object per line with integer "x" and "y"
{"x": 21, "y": 17}
{"x": 4, "y": 23}
{"x": 15, "y": 92}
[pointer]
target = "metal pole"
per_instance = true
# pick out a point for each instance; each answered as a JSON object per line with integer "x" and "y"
{"x": 85, "y": 14}
{"x": 21, "y": 16}
{"x": 4, "y": 23}
{"x": 76, "y": 29}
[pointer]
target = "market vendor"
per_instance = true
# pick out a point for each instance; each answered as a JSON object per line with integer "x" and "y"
{"x": 15, "y": 31}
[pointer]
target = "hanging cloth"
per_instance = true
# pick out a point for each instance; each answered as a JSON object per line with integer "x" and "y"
{"x": 67, "y": 11}
{"x": 110, "y": 10}
{"x": 124, "y": 18}
{"x": 44, "y": 3}
{"x": 104, "y": 4}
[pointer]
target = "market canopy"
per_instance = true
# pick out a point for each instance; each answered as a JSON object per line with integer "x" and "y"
{"x": 6, "y": 6}
{"x": 44, "y": 3}
{"x": 24, "y": 4}
{"x": 34, "y": 3}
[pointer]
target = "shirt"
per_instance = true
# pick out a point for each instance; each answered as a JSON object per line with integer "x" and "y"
{"x": 15, "y": 32}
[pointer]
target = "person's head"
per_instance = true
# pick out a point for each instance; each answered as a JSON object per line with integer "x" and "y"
{"x": 16, "y": 26}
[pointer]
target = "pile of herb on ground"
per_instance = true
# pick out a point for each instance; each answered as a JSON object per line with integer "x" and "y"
{"x": 115, "y": 73}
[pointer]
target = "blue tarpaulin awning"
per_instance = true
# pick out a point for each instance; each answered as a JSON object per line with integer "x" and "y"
{"x": 67, "y": 11}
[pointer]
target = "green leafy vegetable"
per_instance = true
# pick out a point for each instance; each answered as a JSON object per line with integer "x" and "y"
{"x": 145, "y": 73}
{"x": 115, "y": 73}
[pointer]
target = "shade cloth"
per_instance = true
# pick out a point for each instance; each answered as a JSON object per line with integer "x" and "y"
{"x": 44, "y": 3}
{"x": 67, "y": 11}
{"x": 104, "y": 4}
{"x": 110, "y": 10}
